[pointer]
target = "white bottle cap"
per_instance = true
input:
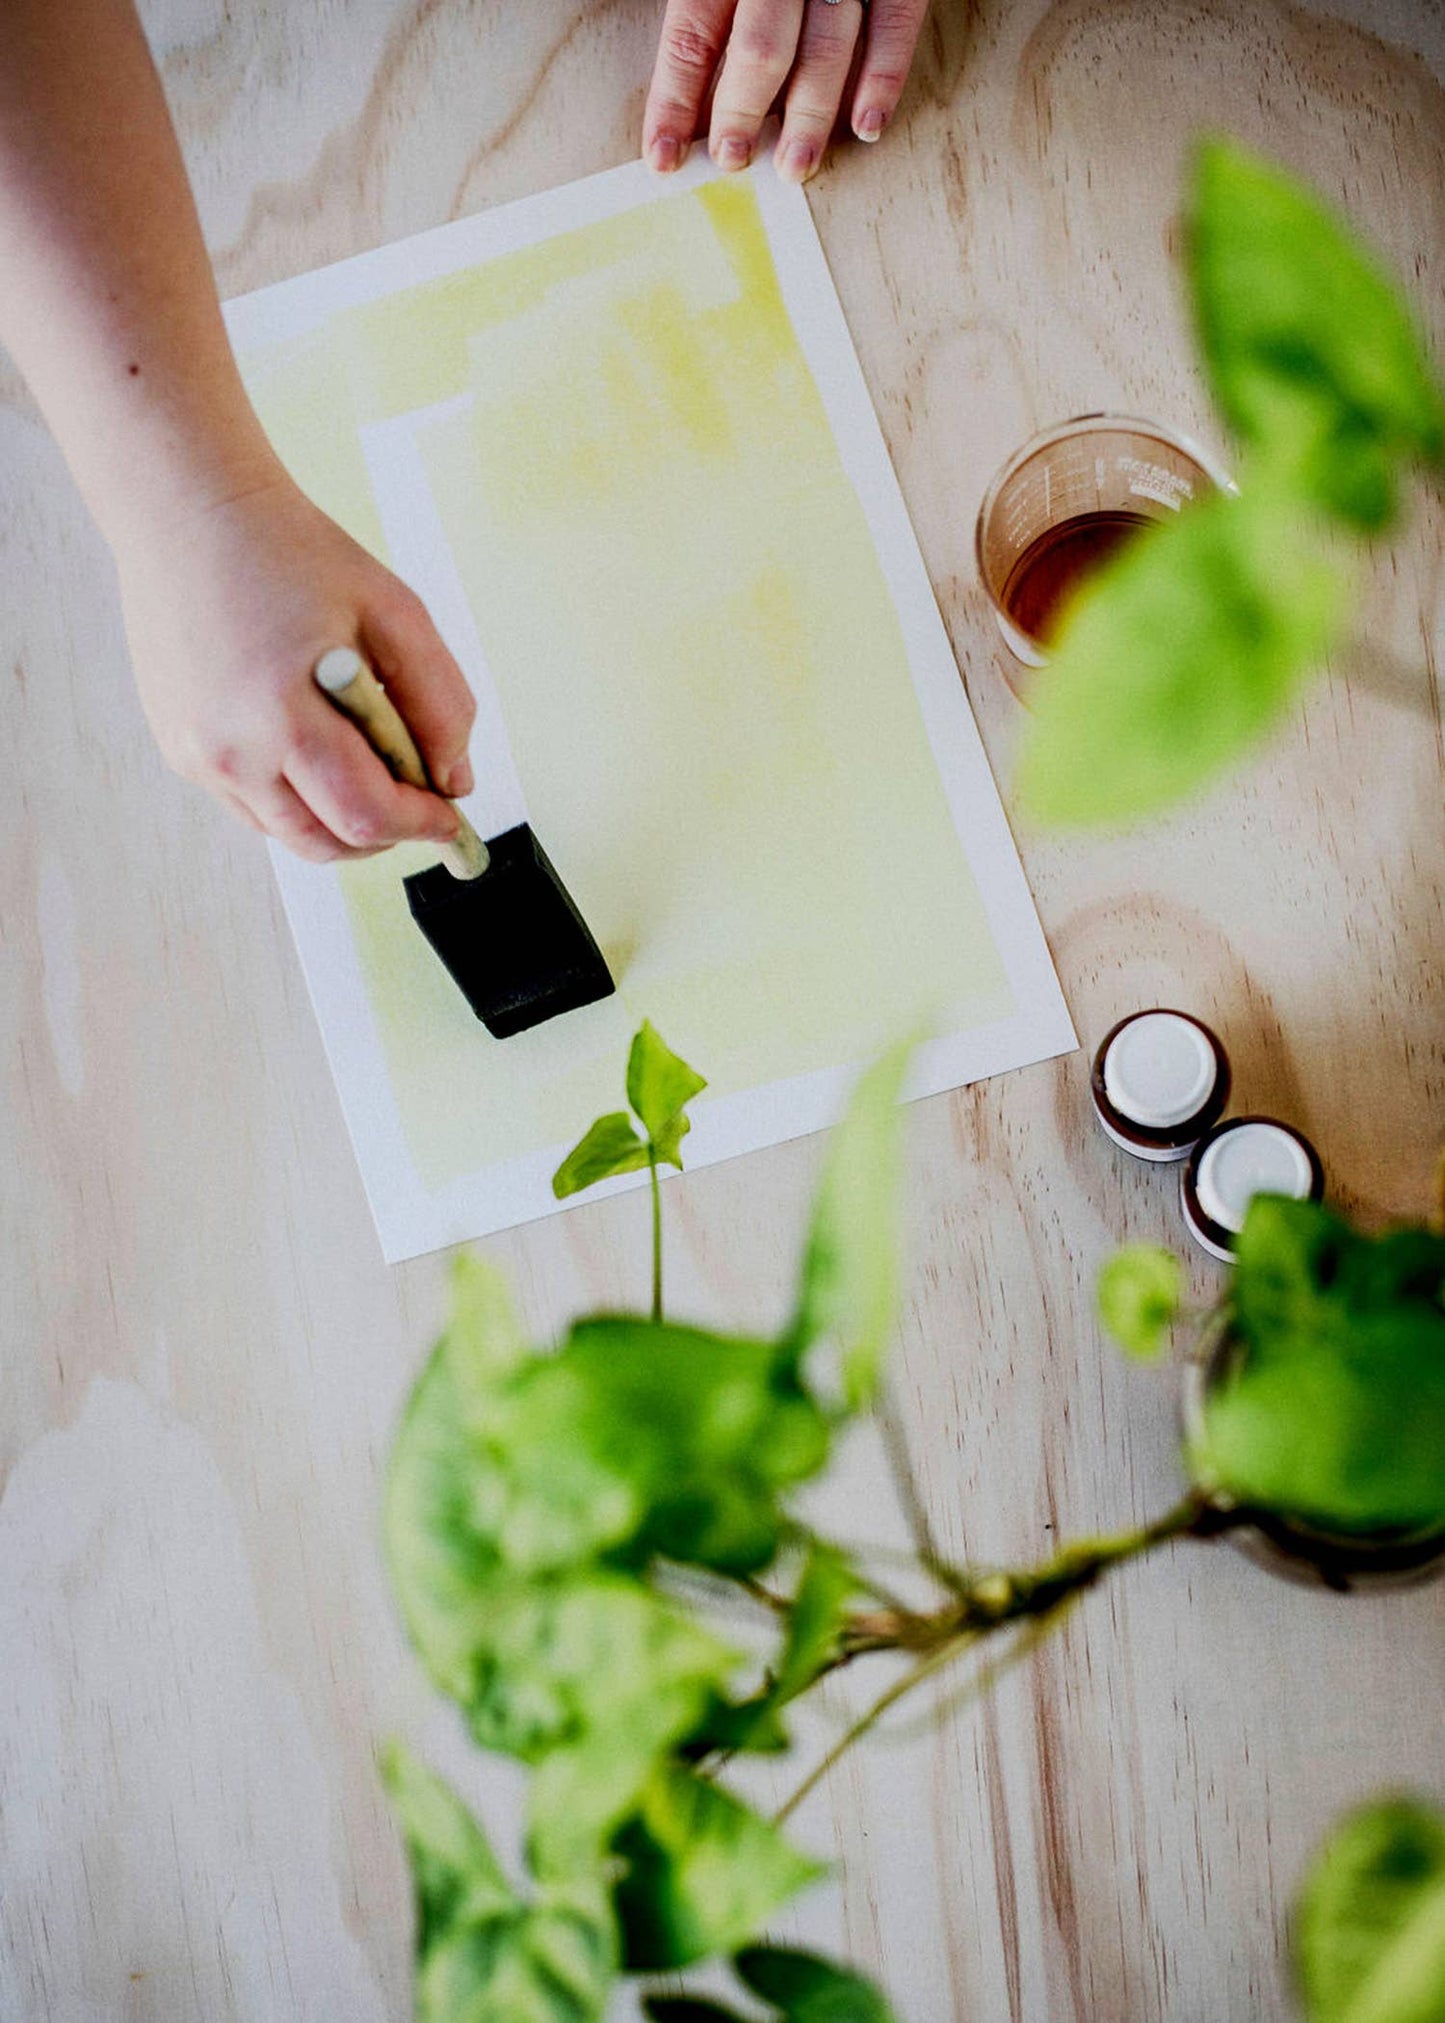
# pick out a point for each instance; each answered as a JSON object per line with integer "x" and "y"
{"x": 1246, "y": 1159}
{"x": 1159, "y": 1070}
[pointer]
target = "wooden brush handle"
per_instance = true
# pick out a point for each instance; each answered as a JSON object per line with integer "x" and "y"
{"x": 345, "y": 679}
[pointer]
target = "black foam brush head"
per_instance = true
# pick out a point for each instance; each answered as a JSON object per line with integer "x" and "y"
{"x": 513, "y": 940}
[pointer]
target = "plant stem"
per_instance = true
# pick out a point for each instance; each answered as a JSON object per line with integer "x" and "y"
{"x": 656, "y": 1231}
{"x": 1026, "y": 1641}
{"x": 931, "y": 1662}
{"x": 1035, "y": 1598}
{"x": 910, "y": 1495}
{"x": 1005, "y": 1597}
{"x": 781, "y": 1605}
{"x": 991, "y": 1600}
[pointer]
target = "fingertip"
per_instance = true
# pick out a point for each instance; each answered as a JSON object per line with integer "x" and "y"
{"x": 797, "y": 159}
{"x": 459, "y": 778}
{"x": 868, "y": 124}
{"x": 664, "y": 153}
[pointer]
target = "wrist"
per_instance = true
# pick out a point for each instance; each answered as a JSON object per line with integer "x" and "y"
{"x": 176, "y": 467}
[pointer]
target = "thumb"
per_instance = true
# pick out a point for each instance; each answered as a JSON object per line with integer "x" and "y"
{"x": 425, "y": 683}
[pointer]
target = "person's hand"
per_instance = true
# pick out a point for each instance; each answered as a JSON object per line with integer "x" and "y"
{"x": 228, "y": 610}
{"x": 803, "y": 51}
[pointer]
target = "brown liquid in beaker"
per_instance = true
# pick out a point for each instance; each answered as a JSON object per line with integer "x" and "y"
{"x": 1052, "y": 568}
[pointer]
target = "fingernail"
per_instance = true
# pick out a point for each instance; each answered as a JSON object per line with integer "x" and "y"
{"x": 664, "y": 153}
{"x": 871, "y": 123}
{"x": 799, "y": 159}
{"x": 459, "y": 780}
{"x": 731, "y": 153}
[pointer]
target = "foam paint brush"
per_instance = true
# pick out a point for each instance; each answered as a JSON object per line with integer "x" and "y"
{"x": 496, "y": 912}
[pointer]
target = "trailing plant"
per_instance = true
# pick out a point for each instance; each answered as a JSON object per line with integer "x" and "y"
{"x": 595, "y": 1542}
{"x": 1194, "y": 642}
{"x": 576, "y": 1530}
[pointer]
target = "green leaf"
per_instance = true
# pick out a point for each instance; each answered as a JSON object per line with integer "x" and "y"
{"x": 815, "y": 1620}
{"x": 596, "y": 1657}
{"x": 1333, "y": 1411}
{"x": 483, "y": 1954}
{"x": 668, "y": 1143}
{"x": 589, "y": 1678}
{"x": 849, "y": 1286}
{"x": 549, "y": 1654}
{"x": 729, "y": 1725}
{"x": 810, "y": 1990}
{"x": 455, "y": 1873}
{"x": 610, "y": 1677}
{"x": 611, "y": 1145}
{"x": 441, "y": 1480}
{"x": 1177, "y": 657}
{"x": 1139, "y": 1293}
{"x": 525, "y": 1503}
{"x": 820, "y": 1609}
{"x": 539, "y": 1967}
{"x": 703, "y": 1872}
{"x": 1312, "y": 350}
{"x": 643, "y": 1437}
{"x": 488, "y": 1344}
{"x": 658, "y": 1087}
{"x": 591, "y": 1681}
{"x": 1370, "y": 1921}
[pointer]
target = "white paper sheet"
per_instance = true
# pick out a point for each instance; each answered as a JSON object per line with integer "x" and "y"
{"x": 380, "y": 470}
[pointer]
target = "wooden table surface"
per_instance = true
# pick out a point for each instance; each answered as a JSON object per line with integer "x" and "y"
{"x": 203, "y": 1354}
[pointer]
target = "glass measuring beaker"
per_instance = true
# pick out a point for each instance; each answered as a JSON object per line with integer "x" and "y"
{"x": 1066, "y": 502}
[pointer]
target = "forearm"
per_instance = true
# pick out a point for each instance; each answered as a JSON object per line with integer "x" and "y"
{"x": 107, "y": 301}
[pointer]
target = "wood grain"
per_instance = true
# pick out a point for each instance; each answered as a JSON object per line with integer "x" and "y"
{"x": 203, "y": 1354}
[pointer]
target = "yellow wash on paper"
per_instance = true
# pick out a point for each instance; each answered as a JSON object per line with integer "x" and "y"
{"x": 699, "y": 664}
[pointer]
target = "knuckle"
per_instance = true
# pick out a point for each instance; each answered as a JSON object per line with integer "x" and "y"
{"x": 835, "y": 40}
{"x": 809, "y": 116}
{"x": 686, "y": 48}
{"x": 822, "y": 54}
{"x": 758, "y": 46}
{"x": 244, "y": 740}
{"x": 303, "y": 751}
{"x": 222, "y": 758}
{"x": 896, "y": 19}
{"x": 363, "y": 828}
{"x": 888, "y": 73}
